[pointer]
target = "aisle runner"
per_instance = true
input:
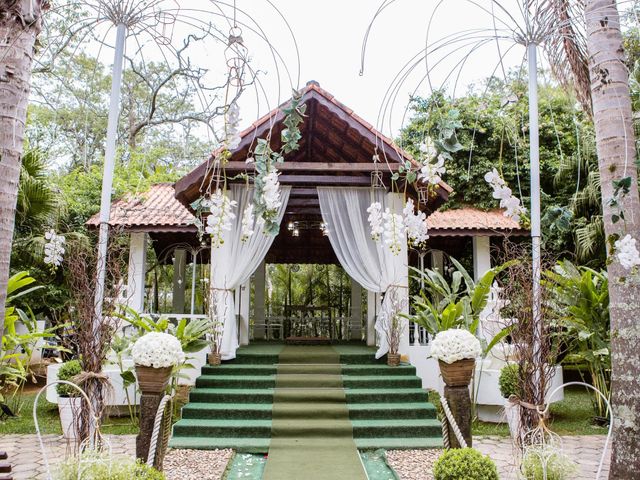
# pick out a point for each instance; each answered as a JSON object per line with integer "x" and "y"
{"x": 311, "y": 435}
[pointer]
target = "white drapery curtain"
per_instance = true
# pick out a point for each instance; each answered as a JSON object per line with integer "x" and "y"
{"x": 233, "y": 263}
{"x": 370, "y": 263}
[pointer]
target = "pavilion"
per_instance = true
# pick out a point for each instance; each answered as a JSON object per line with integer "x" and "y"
{"x": 336, "y": 152}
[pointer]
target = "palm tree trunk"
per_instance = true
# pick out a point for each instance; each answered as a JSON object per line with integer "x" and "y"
{"x": 616, "y": 156}
{"x": 19, "y": 28}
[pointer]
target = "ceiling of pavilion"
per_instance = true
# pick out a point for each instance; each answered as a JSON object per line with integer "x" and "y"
{"x": 336, "y": 149}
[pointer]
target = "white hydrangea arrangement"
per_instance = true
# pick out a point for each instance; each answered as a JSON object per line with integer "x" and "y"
{"x": 455, "y": 344}
{"x": 53, "y": 248}
{"x": 394, "y": 228}
{"x": 157, "y": 350}
{"x": 502, "y": 192}
{"x": 627, "y": 252}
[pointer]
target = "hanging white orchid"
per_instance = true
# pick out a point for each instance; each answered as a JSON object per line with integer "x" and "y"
{"x": 271, "y": 191}
{"x": 511, "y": 203}
{"x": 221, "y": 217}
{"x": 54, "y": 248}
{"x": 375, "y": 220}
{"x": 394, "y": 231}
{"x": 247, "y": 223}
{"x": 232, "y": 136}
{"x": 416, "y": 224}
{"x": 627, "y": 252}
{"x": 432, "y": 172}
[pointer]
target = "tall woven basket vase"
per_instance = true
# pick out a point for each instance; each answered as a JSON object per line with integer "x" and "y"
{"x": 152, "y": 380}
{"x": 457, "y": 374}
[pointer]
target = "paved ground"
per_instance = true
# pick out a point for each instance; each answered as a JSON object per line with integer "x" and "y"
{"x": 28, "y": 462}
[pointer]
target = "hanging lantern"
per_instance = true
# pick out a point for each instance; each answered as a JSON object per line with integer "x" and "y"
{"x": 423, "y": 193}
{"x": 165, "y": 27}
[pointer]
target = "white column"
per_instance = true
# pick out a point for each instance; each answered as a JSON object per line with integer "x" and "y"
{"x": 373, "y": 302}
{"x": 242, "y": 310}
{"x": 137, "y": 270}
{"x": 259, "y": 311}
{"x": 395, "y": 202}
{"x": 356, "y": 310}
{"x": 481, "y": 256}
{"x": 179, "y": 279}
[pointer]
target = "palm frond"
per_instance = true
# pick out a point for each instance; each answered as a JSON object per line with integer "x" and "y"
{"x": 590, "y": 238}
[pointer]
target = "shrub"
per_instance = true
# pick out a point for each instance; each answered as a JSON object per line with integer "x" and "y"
{"x": 464, "y": 464}
{"x": 67, "y": 371}
{"x": 509, "y": 381}
{"x": 540, "y": 459}
{"x": 93, "y": 465}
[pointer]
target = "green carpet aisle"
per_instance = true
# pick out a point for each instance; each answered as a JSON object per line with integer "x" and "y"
{"x": 231, "y": 405}
{"x": 311, "y": 435}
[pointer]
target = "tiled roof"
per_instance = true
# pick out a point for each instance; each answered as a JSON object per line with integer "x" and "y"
{"x": 155, "y": 210}
{"x": 463, "y": 220}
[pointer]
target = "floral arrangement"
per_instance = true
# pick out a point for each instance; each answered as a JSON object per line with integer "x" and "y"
{"x": 247, "y": 223}
{"x": 157, "y": 350}
{"x": 394, "y": 228}
{"x": 502, "y": 192}
{"x": 627, "y": 252}
{"x": 221, "y": 216}
{"x": 455, "y": 344}
{"x": 53, "y": 248}
{"x": 431, "y": 172}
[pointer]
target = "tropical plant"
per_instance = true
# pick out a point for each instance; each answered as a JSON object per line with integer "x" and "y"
{"x": 582, "y": 295}
{"x": 37, "y": 198}
{"x": 442, "y": 305}
{"x": 509, "y": 380}
{"x": 464, "y": 464}
{"x": 67, "y": 372}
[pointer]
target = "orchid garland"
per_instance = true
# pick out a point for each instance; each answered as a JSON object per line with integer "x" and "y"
{"x": 221, "y": 217}
{"x": 511, "y": 203}
{"x": 54, "y": 249}
{"x": 394, "y": 228}
{"x": 247, "y": 223}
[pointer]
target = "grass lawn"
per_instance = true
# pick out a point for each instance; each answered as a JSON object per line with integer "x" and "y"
{"x": 572, "y": 416}
{"x": 49, "y": 421}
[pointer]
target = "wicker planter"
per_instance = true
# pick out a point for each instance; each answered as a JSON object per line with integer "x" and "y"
{"x": 152, "y": 380}
{"x": 393, "y": 359}
{"x": 457, "y": 374}
{"x": 215, "y": 359}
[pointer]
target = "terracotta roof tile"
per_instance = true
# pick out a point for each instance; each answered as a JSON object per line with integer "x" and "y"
{"x": 155, "y": 208}
{"x": 469, "y": 218}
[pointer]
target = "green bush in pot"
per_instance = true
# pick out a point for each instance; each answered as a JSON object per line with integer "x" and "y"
{"x": 66, "y": 372}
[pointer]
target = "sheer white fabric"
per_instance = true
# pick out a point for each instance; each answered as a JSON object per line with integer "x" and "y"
{"x": 372, "y": 265}
{"x": 233, "y": 263}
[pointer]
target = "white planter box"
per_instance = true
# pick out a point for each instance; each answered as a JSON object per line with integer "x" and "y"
{"x": 69, "y": 409}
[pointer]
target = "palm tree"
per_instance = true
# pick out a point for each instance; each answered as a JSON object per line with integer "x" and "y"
{"x": 37, "y": 198}
{"x": 20, "y": 24}
{"x": 616, "y": 148}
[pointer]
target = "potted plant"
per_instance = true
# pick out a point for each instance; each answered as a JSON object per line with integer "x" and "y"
{"x": 392, "y": 324}
{"x": 464, "y": 464}
{"x": 154, "y": 355}
{"x": 69, "y": 400}
{"x": 509, "y": 383}
{"x": 456, "y": 351}
{"x": 215, "y": 337}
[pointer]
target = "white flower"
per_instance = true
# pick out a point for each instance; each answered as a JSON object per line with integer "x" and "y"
{"x": 394, "y": 231}
{"x": 375, "y": 220}
{"x": 271, "y": 190}
{"x": 247, "y": 223}
{"x": 627, "y": 252}
{"x": 221, "y": 217}
{"x": 455, "y": 344}
{"x": 232, "y": 137}
{"x": 432, "y": 172}
{"x": 416, "y": 224}
{"x": 511, "y": 204}
{"x": 157, "y": 350}
{"x": 428, "y": 149}
{"x": 54, "y": 248}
